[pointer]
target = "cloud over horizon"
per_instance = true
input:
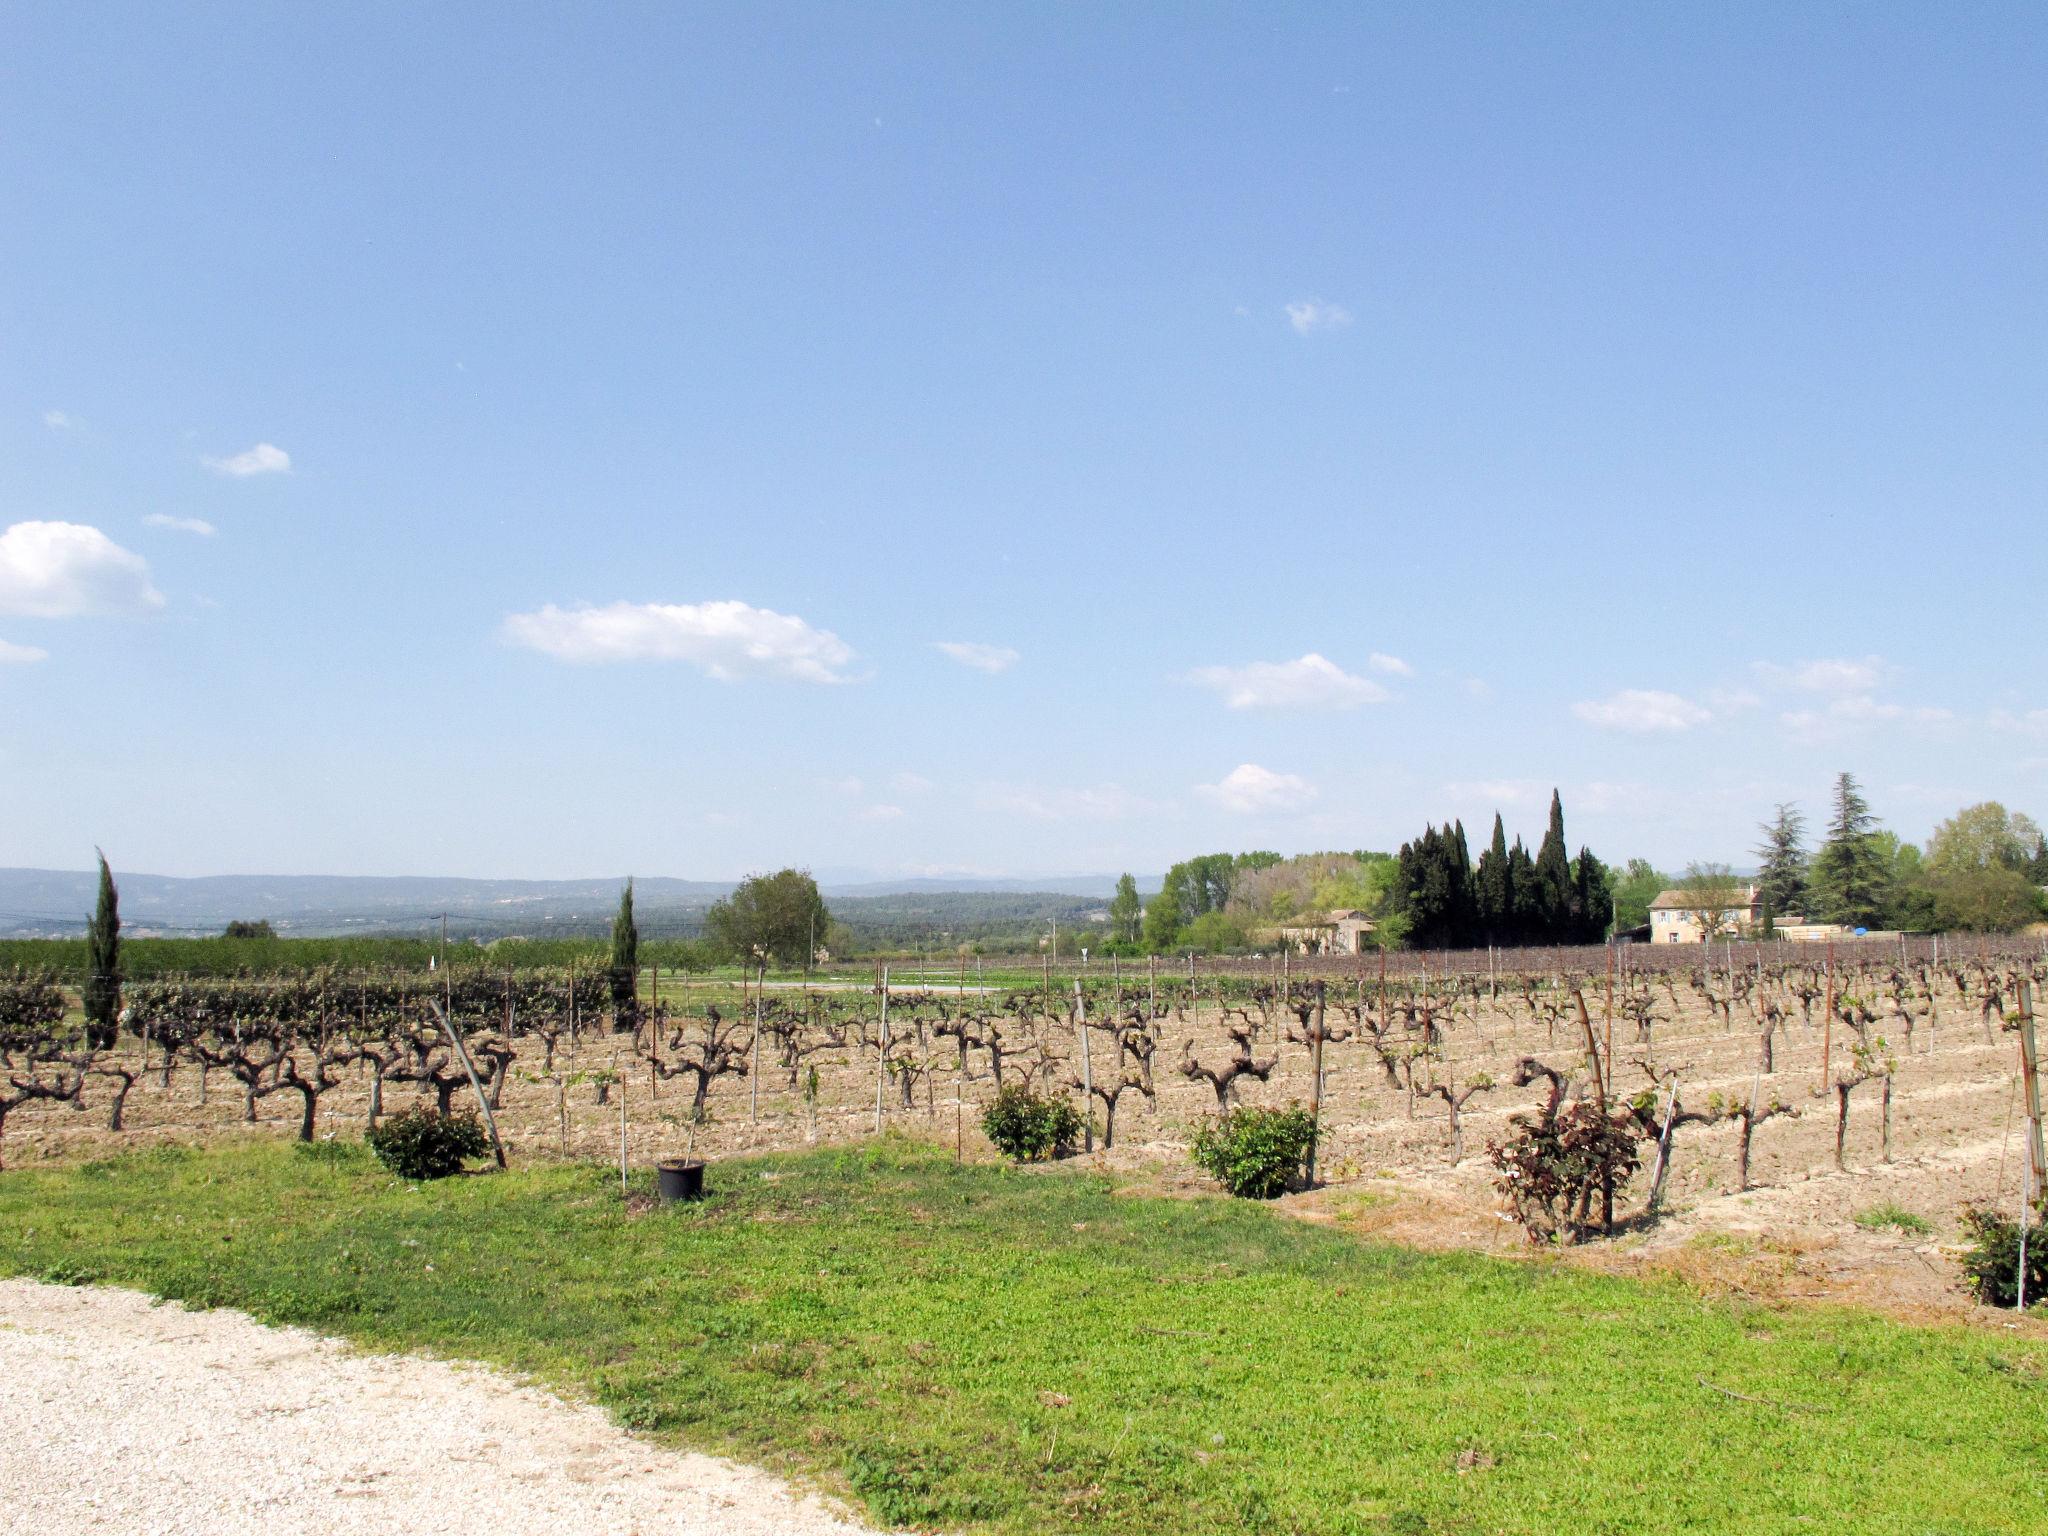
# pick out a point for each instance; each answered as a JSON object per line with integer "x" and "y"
{"x": 1642, "y": 711}
{"x": 1308, "y": 682}
{"x": 1249, "y": 789}
{"x": 727, "y": 640}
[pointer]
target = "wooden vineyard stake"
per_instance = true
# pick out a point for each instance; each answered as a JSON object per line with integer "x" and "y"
{"x": 2030, "y": 1073}
{"x": 1315, "y": 1088}
{"x": 1827, "y": 1031}
{"x": 482, "y": 1102}
{"x": 882, "y": 1051}
{"x": 1087, "y": 1072}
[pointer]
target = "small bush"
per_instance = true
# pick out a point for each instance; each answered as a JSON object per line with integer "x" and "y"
{"x": 1992, "y": 1259}
{"x": 1553, "y": 1169}
{"x": 1256, "y": 1153}
{"x": 1897, "y": 1217}
{"x": 419, "y": 1144}
{"x": 1021, "y": 1124}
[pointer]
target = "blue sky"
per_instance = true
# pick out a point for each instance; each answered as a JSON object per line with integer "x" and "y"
{"x": 1300, "y": 425}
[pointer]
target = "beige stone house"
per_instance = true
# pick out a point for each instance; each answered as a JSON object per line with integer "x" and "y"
{"x": 1676, "y": 917}
{"x": 1343, "y": 932}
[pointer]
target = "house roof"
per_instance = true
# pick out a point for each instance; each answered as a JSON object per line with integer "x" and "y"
{"x": 1681, "y": 901}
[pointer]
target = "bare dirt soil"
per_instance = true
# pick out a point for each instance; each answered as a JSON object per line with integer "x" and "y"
{"x": 1386, "y": 1158}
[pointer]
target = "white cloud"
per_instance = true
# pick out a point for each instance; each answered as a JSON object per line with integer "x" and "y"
{"x": 59, "y": 421}
{"x": 911, "y": 784}
{"x": 1856, "y": 712}
{"x": 983, "y": 658}
{"x": 1102, "y": 802}
{"x": 1730, "y": 701}
{"x": 263, "y": 459}
{"x": 881, "y": 813}
{"x": 850, "y": 787}
{"x": 1828, "y": 675}
{"x": 63, "y": 570}
{"x": 1642, "y": 710}
{"x": 725, "y": 640}
{"x": 1307, "y": 315}
{"x": 18, "y": 655}
{"x": 1249, "y": 789}
{"x": 198, "y": 525}
{"x": 1389, "y": 666}
{"x": 1310, "y": 682}
{"x": 2029, "y": 722}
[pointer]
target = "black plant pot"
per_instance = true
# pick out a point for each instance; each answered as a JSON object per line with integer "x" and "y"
{"x": 680, "y": 1180}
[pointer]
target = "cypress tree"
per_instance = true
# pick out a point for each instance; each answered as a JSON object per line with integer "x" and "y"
{"x": 1594, "y": 888}
{"x": 1525, "y": 900}
{"x": 1555, "y": 923}
{"x": 625, "y": 968}
{"x": 103, "y": 957}
{"x": 1496, "y": 901}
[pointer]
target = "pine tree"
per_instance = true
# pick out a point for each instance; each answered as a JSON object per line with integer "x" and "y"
{"x": 1554, "y": 881}
{"x": 1781, "y": 860}
{"x": 625, "y": 968}
{"x": 102, "y": 996}
{"x": 1464, "y": 916}
{"x": 1851, "y": 879}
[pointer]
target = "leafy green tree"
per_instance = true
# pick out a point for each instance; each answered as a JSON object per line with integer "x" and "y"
{"x": 1163, "y": 921}
{"x": 1126, "y": 912}
{"x": 1981, "y": 837}
{"x": 1993, "y": 900}
{"x": 1216, "y": 933}
{"x": 1851, "y": 880}
{"x": 1714, "y": 897}
{"x": 102, "y": 996}
{"x": 625, "y": 966}
{"x": 242, "y": 928}
{"x": 1640, "y": 883}
{"x": 769, "y": 917}
{"x": 1781, "y": 861}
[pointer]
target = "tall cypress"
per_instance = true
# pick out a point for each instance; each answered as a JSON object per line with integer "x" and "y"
{"x": 625, "y": 968}
{"x": 1554, "y": 880}
{"x": 1496, "y": 906}
{"x": 102, "y": 996}
{"x": 1594, "y": 902}
{"x": 1524, "y": 897}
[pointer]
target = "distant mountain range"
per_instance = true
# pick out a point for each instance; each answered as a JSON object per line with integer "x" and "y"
{"x": 57, "y": 902}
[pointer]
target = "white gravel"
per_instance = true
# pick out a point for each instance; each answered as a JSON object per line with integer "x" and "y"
{"x": 119, "y": 1414}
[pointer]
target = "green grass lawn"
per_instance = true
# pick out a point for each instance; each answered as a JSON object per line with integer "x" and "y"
{"x": 1026, "y": 1351}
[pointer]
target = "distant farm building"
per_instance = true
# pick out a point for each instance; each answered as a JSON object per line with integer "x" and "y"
{"x": 1682, "y": 917}
{"x": 1344, "y": 932}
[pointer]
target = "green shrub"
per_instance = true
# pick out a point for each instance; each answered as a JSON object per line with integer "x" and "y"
{"x": 419, "y": 1144}
{"x": 1992, "y": 1259}
{"x": 1255, "y": 1153}
{"x": 1021, "y": 1124}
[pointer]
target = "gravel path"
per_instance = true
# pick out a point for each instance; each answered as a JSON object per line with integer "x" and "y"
{"x": 123, "y": 1415}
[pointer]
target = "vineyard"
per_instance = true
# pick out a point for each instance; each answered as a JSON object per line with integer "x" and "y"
{"x": 1769, "y": 1084}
